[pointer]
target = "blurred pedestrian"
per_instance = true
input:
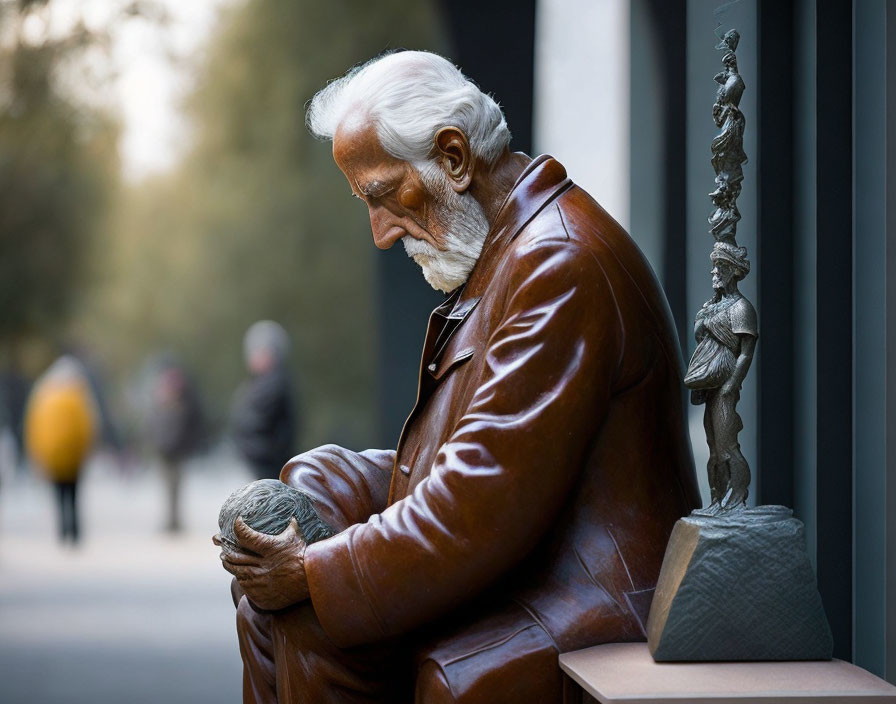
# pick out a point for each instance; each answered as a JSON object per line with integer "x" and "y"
{"x": 177, "y": 429}
{"x": 263, "y": 417}
{"x": 60, "y": 427}
{"x": 14, "y": 387}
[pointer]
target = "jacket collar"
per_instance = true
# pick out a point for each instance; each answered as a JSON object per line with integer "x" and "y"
{"x": 539, "y": 183}
{"x": 542, "y": 181}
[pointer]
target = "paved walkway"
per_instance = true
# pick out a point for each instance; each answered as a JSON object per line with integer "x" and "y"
{"x": 131, "y": 615}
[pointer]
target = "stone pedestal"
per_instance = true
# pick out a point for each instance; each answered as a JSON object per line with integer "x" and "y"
{"x": 738, "y": 587}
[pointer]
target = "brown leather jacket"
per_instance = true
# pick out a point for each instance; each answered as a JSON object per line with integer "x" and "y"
{"x": 546, "y": 457}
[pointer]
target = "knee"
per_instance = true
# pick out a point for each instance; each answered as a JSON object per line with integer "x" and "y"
{"x": 244, "y": 613}
{"x": 236, "y": 592}
{"x": 432, "y": 687}
{"x": 248, "y": 620}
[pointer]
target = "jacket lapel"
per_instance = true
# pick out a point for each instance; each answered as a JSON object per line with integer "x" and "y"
{"x": 455, "y": 318}
{"x": 443, "y": 323}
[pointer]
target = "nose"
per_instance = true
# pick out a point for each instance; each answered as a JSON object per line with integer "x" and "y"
{"x": 382, "y": 225}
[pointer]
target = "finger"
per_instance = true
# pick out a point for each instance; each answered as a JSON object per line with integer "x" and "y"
{"x": 251, "y": 539}
{"x": 246, "y": 574}
{"x": 240, "y": 558}
{"x": 230, "y": 568}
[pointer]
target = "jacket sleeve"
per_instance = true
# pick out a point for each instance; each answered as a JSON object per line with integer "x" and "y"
{"x": 346, "y": 487}
{"x": 498, "y": 483}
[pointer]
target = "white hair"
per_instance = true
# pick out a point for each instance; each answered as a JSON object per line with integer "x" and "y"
{"x": 409, "y": 96}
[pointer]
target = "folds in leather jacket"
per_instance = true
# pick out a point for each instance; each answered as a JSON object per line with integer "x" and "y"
{"x": 546, "y": 456}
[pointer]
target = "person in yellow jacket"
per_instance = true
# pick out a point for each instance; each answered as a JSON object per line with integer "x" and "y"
{"x": 60, "y": 427}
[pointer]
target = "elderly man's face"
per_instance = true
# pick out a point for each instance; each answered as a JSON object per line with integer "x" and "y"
{"x": 395, "y": 197}
{"x": 443, "y": 231}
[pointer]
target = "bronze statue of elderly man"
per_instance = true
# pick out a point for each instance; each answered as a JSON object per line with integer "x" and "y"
{"x": 527, "y": 505}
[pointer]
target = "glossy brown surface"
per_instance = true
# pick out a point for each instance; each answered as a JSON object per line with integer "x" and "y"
{"x": 527, "y": 507}
{"x": 625, "y": 673}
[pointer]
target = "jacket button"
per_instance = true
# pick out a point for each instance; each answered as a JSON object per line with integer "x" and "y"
{"x": 432, "y": 368}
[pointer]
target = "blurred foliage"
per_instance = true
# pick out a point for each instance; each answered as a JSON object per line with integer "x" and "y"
{"x": 58, "y": 169}
{"x": 257, "y": 221}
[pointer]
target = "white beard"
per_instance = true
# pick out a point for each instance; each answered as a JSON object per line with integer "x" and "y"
{"x": 463, "y": 221}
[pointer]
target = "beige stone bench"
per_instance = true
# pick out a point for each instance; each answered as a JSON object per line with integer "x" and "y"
{"x": 624, "y": 673}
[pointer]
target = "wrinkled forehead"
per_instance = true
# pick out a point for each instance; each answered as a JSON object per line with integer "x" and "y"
{"x": 356, "y": 145}
{"x": 358, "y": 153}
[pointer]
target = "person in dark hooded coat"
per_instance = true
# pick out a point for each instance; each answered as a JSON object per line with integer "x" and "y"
{"x": 263, "y": 418}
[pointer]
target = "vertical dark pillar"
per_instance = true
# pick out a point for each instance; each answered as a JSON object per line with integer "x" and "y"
{"x": 670, "y": 22}
{"x": 494, "y": 43}
{"x": 834, "y": 316}
{"x": 497, "y": 50}
{"x": 890, "y": 532}
{"x": 804, "y": 274}
{"x": 776, "y": 248}
{"x": 870, "y": 327}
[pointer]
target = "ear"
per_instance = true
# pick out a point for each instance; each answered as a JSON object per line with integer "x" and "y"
{"x": 454, "y": 155}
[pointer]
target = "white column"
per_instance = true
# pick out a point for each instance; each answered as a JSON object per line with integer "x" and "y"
{"x": 582, "y": 95}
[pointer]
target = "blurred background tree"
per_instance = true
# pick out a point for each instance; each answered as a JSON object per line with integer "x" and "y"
{"x": 58, "y": 169}
{"x": 256, "y": 222}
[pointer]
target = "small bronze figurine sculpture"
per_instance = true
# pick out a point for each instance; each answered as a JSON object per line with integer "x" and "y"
{"x": 726, "y": 327}
{"x": 736, "y": 582}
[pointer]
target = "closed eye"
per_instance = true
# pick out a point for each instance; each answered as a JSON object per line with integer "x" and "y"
{"x": 379, "y": 193}
{"x": 376, "y": 189}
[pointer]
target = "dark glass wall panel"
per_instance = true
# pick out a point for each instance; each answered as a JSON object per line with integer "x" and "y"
{"x": 834, "y": 316}
{"x": 890, "y": 529}
{"x": 776, "y": 243}
{"x": 870, "y": 329}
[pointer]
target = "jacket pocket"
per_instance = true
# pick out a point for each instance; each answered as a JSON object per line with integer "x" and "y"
{"x": 448, "y": 363}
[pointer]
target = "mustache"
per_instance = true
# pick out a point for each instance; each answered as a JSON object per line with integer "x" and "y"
{"x": 415, "y": 247}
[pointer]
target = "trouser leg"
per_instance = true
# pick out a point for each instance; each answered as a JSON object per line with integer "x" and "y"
{"x": 74, "y": 529}
{"x": 68, "y": 512}
{"x": 257, "y": 650}
{"x": 61, "y": 510}
{"x": 172, "y": 471}
{"x": 288, "y": 658}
